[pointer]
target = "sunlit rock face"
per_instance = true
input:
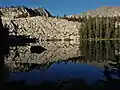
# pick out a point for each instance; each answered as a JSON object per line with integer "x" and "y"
{"x": 22, "y": 12}
{"x": 34, "y": 23}
{"x": 43, "y": 28}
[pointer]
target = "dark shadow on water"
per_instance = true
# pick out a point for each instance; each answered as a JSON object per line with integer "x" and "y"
{"x": 63, "y": 76}
{"x": 55, "y": 76}
{"x": 21, "y": 40}
{"x": 37, "y": 49}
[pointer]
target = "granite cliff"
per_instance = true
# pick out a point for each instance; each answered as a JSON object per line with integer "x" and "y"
{"x": 37, "y": 23}
{"x": 22, "y": 12}
{"x": 43, "y": 28}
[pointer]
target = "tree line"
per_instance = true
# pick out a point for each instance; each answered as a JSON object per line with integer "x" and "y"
{"x": 98, "y": 26}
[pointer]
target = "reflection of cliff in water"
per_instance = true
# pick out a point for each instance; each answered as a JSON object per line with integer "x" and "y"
{"x": 55, "y": 51}
{"x": 91, "y": 52}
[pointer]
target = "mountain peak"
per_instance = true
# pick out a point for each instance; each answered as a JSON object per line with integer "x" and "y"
{"x": 104, "y": 11}
{"x": 22, "y": 11}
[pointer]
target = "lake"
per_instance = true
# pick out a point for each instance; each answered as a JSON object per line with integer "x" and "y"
{"x": 60, "y": 60}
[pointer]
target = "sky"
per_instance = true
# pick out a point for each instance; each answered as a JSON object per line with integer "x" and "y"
{"x": 61, "y": 7}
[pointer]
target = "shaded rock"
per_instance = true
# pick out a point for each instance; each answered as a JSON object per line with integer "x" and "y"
{"x": 42, "y": 12}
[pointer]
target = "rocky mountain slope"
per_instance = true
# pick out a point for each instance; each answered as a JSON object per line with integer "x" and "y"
{"x": 43, "y": 28}
{"x": 105, "y": 11}
{"x": 102, "y": 11}
{"x": 30, "y": 22}
{"x": 22, "y": 11}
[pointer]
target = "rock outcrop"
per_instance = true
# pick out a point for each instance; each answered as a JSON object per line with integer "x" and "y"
{"x": 42, "y": 12}
{"x": 43, "y": 28}
{"x": 22, "y": 11}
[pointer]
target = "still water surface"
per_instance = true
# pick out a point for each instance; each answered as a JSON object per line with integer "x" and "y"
{"x": 62, "y": 60}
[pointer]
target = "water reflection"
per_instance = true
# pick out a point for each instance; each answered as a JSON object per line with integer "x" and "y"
{"x": 97, "y": 52}
{"x": 61, "y": 60}
{"x": 59, "y": 71}
{"x": 55, "y": 51}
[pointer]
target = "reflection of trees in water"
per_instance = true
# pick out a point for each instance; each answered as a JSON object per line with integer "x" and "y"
{"x": 92, "y": 51}
{"x": 112, "y": 68}
{"x": 99, "y": 51}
